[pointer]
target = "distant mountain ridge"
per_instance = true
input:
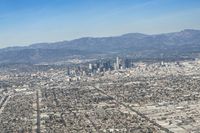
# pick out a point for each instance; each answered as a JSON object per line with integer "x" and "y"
{"x": 183, "y": 43}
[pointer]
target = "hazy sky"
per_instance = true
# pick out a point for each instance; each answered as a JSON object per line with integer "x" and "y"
{"x": 24, "y": 22}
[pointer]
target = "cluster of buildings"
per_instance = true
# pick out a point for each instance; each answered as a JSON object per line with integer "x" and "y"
{"x": 99, "y": 67}
{"x": 149, "y": 97}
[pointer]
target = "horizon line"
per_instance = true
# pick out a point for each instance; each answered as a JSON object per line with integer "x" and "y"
{"x": 28, "y": 45}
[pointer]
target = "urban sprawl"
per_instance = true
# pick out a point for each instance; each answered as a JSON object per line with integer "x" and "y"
{"x": 110, "y": 96}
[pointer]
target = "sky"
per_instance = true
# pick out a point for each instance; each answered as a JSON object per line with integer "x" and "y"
{"x": 25, "y": 22}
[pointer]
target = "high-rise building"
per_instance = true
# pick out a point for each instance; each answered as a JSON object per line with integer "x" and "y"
{"x": 127, "y": 63}
{"x": 117, "y": 63}
{"x": 68, "y": 71}
{"x": 90, "y": 66}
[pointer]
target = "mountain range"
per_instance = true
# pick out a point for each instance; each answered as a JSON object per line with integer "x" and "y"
{"x": 181, "y": 44}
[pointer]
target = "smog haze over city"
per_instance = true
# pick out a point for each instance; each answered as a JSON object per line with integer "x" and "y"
{"x": 99, "y": 66}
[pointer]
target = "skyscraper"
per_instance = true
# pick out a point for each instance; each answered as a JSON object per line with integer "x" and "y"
{"x": 90, "y": 66}
{"x": 117, "y": 63}
{"x": 127, "y": 63}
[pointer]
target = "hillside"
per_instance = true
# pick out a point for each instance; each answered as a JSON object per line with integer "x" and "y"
{"x": 185, "y": 43}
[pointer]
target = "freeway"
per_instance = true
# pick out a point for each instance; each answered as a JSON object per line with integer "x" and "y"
{"x": 3, "y": 102}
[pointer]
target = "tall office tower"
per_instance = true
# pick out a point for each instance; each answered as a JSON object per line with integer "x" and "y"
{"x": 115, "y": 66}
{"x": 90, "y": 66}
{"x": 106, "y": 65}
{"x": 127, "y": 63}
{"x": 68, "y": 71}
{"x": 117, "y": 63}
{"x": 98, "y": 65}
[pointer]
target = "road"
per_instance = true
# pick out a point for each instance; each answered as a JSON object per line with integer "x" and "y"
{"x": 133, "y": 110}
